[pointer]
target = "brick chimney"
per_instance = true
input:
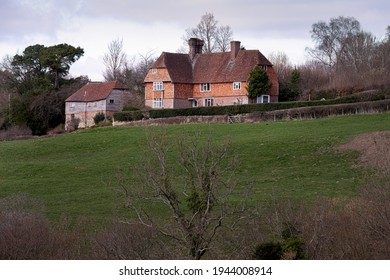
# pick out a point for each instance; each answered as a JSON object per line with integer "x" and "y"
{"x": 234, "y": 48}
{"x": 196, "y": 46}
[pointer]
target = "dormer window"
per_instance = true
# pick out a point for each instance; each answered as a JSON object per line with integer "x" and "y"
{"x": 154, "y": 70}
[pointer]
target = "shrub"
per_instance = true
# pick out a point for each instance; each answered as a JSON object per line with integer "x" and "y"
{"x": 15, "y": 132}
{"x": 72, "y": 125}
{"x": 26, "y": 233}
{"x": 129, "y": 241}
{"x": 269, "y": 251}
{"x": 99, "y": 117}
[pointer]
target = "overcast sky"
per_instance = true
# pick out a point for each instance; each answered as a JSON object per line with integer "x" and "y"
{"x": 146, "y": 25}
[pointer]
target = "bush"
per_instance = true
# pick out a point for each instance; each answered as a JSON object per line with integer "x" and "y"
{"x": 15, "y": 132}
{"x": 130, "y": 241}
{"x": 73, "y": 124}
{"x": 26, "y": 233}
{"x": 269, "y": 251}
{"x": 99, "y": 117}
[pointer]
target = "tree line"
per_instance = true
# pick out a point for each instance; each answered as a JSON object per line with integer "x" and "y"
{"x": 345, "y": 59}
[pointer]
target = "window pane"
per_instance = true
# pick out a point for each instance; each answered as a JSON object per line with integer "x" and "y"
{"x": 209, "y": 102}
{"x": 158, "y": 86}
{"x": 205, "y": 87}
{"x": 157, "y": 102}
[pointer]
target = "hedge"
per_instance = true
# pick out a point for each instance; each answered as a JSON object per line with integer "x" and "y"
{"x": 128, "y": 116}
{"x": 322, "y": 111}
{"x": 242, "y": 109}
{"x": 250, "y": 108}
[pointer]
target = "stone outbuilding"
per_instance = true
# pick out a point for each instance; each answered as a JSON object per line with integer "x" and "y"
{"x": 93, "y": 98}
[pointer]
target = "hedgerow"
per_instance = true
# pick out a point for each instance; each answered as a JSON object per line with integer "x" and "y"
{"x": 128, "y": 116}
{"x": 244, "y": 109}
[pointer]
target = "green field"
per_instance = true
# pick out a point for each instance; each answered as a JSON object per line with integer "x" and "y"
{"x": 76, "y": 174}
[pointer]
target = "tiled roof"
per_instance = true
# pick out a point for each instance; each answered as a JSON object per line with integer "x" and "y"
{"x": 94, "y": 91}
{"x": 210, "y": 67}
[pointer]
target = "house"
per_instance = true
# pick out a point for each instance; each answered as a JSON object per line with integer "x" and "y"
{"x": 93, "y": 98}
{"x": 195, "y": 79}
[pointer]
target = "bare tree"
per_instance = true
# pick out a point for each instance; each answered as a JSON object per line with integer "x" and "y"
{"x": 135, "y": 73}
{"x": 223, "y": 38}
{"x": 332, "y": 39}
{"x": 115, "y": 61}
{"x": 281, "y": 64}
{"x": 215, "y": 38}
{"x": 195, "y": 195}
{"x": 349, "y": 53}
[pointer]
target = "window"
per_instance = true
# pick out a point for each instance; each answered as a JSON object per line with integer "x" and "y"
{"x": 264, "y": 67}
{"x": 111, "y": 101}
{"x": 263, "y": 99}
{"x": 154, "y": 70}
{"x": 205, "y": 87}
{"x": 158, "y": 103}
{"x": 158, "y": 86}
{"x": 194, "y": 103}
{"x": 209, "y": 102}
{"x": 236, "y": 85}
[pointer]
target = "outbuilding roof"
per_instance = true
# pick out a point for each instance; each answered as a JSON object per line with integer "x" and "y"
{"x": 94, "y": 91}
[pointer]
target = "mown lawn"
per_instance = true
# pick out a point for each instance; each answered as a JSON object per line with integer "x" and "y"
{"x": 76, "y": 174}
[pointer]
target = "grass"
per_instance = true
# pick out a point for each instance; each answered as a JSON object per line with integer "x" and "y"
{"x": 75, "y": 174}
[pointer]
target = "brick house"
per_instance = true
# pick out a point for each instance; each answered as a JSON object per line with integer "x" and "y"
{"x": 206, "y": 79}
{"x": 92, "y": 98}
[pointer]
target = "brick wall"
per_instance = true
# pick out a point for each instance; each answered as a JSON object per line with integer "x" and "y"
{"x": 183, "y": 91}
{"x": 220, "y": 90}
{"x": 161, "y": 75}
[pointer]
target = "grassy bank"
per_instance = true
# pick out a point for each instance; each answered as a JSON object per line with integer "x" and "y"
{"x": 75, "y": 174}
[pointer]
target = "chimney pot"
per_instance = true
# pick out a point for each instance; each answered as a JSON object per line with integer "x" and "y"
{"x": 234, "y": 49}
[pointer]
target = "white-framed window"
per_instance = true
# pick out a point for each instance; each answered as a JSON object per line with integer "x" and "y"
{"x": 205, "y": 87}
{"x": 158, "y": 102}
{"x": 158, "y": 86}
{"x": 236, "y": 85}
{"x": 264, "y": 67}
{"x": 209, "y": 102}
{"x": 154, "y": 70}
{"x": 194, "y": 103}
{"x": 263, "y": 99}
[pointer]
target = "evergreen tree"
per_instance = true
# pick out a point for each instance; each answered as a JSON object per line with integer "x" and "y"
{"x": 258, "y": 82}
